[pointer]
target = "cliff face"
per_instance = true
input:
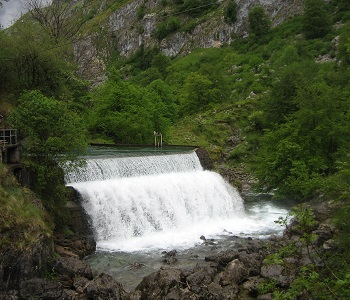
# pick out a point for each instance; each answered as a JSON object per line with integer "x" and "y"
{"x": 130, "y": 33}
{"x": 126, "y": 31}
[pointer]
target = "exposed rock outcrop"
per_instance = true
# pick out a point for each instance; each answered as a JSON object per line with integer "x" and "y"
{"x": 126, "y": 31}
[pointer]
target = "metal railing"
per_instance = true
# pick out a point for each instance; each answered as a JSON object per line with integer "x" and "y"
{"x": 8, "y": 137}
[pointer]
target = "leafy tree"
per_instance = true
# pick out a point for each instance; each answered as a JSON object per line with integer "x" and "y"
{"x": 199, "y": 92}
{"x": 281, "y": 102}
{"x": 51, "y": 134}
{"x": 161, "y": 62}
{"x": 296, "y": 155}
{"x": 316, "y": 19}
{"x": 259, "y": 23}
{"x": 127, "y": 113}
{"x": 142, "y": 58}
{"x": 344, "y": 46}
{"x": 51, "y": 131}
{"x": 167, "y": 96}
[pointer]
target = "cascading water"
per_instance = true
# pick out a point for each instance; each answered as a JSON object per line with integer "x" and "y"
{"x": 143, "y": 204}
{"x": 153, "y": 201}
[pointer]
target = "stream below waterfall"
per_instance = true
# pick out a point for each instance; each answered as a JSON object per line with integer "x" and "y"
{"x": 141, "y": 205}
{"x": 129, "y": 267}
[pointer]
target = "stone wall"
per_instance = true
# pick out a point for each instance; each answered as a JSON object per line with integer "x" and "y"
{"x": 204, "y": 158}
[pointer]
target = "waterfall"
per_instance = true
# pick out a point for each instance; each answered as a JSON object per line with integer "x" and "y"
{"x": 153, "y": 201}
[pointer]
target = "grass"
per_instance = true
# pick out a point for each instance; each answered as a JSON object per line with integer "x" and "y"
{"x": 22, "y": 220}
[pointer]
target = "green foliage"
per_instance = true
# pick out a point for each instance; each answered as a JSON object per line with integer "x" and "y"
{"x": 308, "y": 130}
{"x": 31, "y": 61}
{"x": 311, "y": 281}
{"x": 128, "y": 113}
{"x": 51, "y": 130}
{"x": 316, "y": 21}
{"x": 231, "y": 11}
{"x": 51, "y": 134}
{"x": 167, "y": 27}
{"x": 142, "y": 59}
{"x": 199, "y": 92}
{"x": 22, "y": 222}
{"x": 141, "y": 11}
{"x": 259, "y": 23}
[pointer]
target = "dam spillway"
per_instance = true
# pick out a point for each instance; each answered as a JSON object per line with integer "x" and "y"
{"x": 146, "y": 201}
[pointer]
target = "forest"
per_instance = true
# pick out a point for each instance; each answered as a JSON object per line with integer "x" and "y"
{"x": 283, "y": 91}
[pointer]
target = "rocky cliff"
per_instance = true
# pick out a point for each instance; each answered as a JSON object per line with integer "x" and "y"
{"x": 126, "y": 29}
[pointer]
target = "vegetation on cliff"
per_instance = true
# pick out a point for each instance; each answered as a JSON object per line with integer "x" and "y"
{"x": 22, "y": 218}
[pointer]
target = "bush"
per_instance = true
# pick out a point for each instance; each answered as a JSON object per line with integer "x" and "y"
{"x": 167, "y": 27}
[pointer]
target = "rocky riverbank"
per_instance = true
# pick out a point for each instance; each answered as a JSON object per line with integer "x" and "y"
{"x": 55, "y": 269}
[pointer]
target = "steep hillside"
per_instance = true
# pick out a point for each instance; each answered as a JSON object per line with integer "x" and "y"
{"x": 168, "y": 25}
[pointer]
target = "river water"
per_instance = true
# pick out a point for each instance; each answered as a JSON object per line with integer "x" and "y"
{"x": 143, "y": 205}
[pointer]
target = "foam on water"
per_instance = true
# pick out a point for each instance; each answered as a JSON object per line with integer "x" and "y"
{"x": 161, "y": 202}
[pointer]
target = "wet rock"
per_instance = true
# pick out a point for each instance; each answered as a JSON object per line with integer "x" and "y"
{"x": 17, "y": 265}
{"x": 105, "y": 287}
{"x": 80, "y": 283}
{"x": 324, "y": 232}
{"x": 72, "y": 267}
{"x": 41, "y": 288}
{"x": 252, "y": 262}
{"x": 308, "y": 256}
{"x": 223, "y": 258}
{"x": 268, "y": 296}
{"x": 277, "y": 273}
{"x": 252, "y": 284}
{"x": 217, "y": 292}
{"x": 200, "y": 278}
{"x": 159, "y": 284}
{"x": 170, "y": 257}
{"x": 9, "y": 295}
{"x": 75, "y": 246}
{"x": 235, "y": 272}
{"x": 329, "y": 245}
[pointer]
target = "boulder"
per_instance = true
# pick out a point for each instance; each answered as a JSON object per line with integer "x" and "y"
{"x": 72, "y": 267}
{"x": 277, "y": 273}
{"x": 170, "y": 257}
{"x": 217, "y": 292}
{"x": 235, "y": 272}
{"x": 105, "y": 287}
{"x": 17, "y": 265}
{"x": 40, "y": 288}
{"x": 159, "y": 284}
{"x": 200, "y": 278}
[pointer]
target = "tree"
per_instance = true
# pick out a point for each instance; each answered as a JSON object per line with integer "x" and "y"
{"x": 199, "y": 92}
{"x": 128, "y": 113}
{"x": 316, "y": 19}
{"x": 31, "y": 61}
{"x": 295, "y": 156}
{"x": 259, "y": 23}
{"x": 61, "y": 20}
{"x": 51, "y": 134}
{"x": 51, "y": 131}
